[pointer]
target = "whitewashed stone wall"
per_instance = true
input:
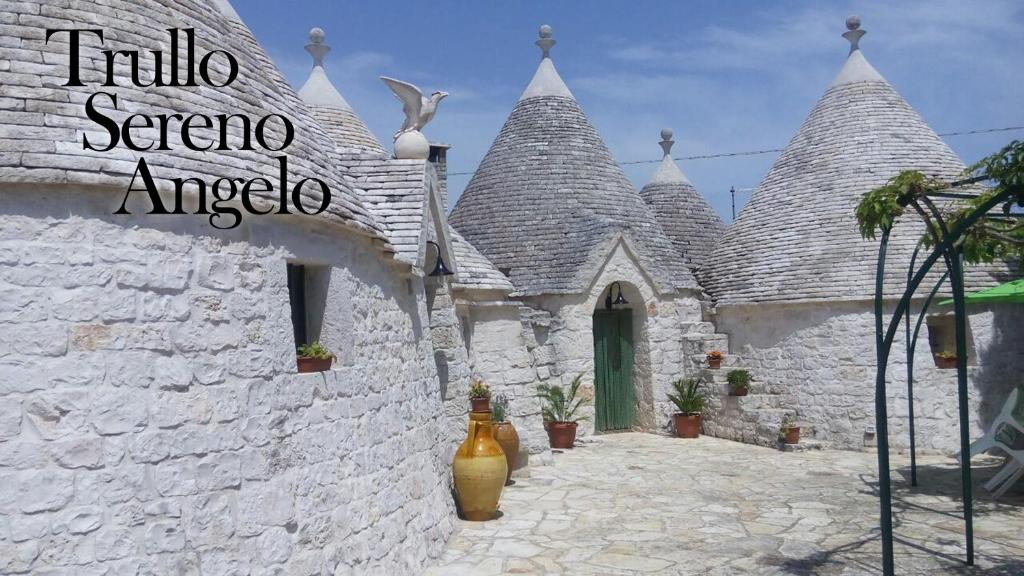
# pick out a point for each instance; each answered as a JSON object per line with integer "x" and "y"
{"x": 150, "y": 418}
{"x": 657, "y": 336}
{"x": 823, "y": 357}
{"x": 500, "y": 344}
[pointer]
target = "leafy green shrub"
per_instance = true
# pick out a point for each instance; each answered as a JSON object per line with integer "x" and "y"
{"x": 315, "y": 350}
{"x": 688, "y": 397}
{"x": 738, "y": 380}
{"x": 556, "y": 406}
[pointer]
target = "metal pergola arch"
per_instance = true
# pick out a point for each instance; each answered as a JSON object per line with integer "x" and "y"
{"x": 946, "y": 244}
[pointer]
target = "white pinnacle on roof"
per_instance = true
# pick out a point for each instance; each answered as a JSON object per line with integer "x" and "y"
{"x": 668, "y": 172}
{"x": 330, "y": 107}
{"x": 546, "y": 81}
{"x": 318, "y": 89}
{"x": 857, "y": 67}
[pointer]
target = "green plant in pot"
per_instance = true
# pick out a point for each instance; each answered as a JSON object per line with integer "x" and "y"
{"x": 479, "y": 396}
{"x": 314, "y": 358}
{"x": 560, "y": 412}
{"x": 690, "y": 401}
{"x": 789, "y": 431}
{"x": 739, "y": 382}
{"x": 945, "y": 360}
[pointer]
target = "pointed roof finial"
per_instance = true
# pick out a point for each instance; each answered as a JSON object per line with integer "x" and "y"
{"x": 546, "y": 41}
{"x": 316, "y": 46}
{"x": 853, "y": 32}
{"x": 666, "y": 140}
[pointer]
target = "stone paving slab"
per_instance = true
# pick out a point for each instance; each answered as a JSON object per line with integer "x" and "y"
{"x": 646, "y": 504}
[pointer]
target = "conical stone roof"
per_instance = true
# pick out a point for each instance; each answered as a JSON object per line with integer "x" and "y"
{"x": 797, "y": 239}
{"x": 687, "y": 219}
{"x": 45, "y": 132}
{"x": 548, "y": 196}
{"x": 329, "y": 107}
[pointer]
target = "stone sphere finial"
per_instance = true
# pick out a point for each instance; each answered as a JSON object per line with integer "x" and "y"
{"x": 666, "y": 140}
{"x": 853, "y": 32}
{"x": 546, "y": 41}
{"x": 316, "y": 47}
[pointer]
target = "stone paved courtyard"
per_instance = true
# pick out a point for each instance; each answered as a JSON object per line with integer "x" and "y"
{"x": 645, "y": 504}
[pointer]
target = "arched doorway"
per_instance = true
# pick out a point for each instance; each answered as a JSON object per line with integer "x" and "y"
{"x": 615, "y": 397}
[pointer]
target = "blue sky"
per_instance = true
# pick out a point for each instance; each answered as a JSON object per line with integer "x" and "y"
{"x": 726, "y": 76}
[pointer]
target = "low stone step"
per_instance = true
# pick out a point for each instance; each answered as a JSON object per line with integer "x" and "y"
{"x": 704, "y": 343}
{"x": 691, "y": 328}
{"x": 803, "y": 446}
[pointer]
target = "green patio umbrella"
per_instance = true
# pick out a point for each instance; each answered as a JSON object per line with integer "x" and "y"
{"x": 1011, "y": 292}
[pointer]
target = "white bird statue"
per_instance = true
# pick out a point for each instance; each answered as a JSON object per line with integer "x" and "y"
{"x": 418, "y": 110}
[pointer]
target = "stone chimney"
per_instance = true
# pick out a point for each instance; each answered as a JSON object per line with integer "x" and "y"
{"x": 439, "y": 158}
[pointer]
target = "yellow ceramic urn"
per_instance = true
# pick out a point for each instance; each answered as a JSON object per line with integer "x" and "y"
{"x": 480, "y": 470}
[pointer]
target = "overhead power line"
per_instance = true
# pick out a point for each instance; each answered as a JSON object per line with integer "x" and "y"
{"x": 774, "y": 150}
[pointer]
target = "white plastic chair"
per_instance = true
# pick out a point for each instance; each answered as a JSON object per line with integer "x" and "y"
{"x": 1004, "y": 433}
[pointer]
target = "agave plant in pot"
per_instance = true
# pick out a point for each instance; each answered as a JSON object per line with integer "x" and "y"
{"x": 479, "y": 396}
{"x": 690, "y": 401}
{"x": 739, "y": 382}
{"x": 314, "y": 358}
{"x": 559, "y": 411}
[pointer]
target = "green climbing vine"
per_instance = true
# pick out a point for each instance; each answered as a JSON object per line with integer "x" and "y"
{"x": 994, "y": 237}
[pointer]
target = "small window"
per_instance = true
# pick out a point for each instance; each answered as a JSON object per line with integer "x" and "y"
{"x": 307, "y": 295}
{"x": 942, "y": 335}
{"x": 297, "y": 299}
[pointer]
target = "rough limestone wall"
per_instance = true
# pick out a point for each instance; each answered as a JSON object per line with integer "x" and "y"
{"x": 453, "y": 364}
{"x": 501, "y": 354}
{"x": 151, "y": 420}
{"x": 823, "y": 355}
{"x": 657, "y": 336}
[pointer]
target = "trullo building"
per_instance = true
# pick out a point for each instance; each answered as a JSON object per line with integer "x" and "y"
{"x": 793, "y": 281}
{"x": 551, "y": 208}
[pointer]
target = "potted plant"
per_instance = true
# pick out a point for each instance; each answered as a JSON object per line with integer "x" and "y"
{"x": 314, "y": 358}
{"x": 739, "y": 382}
{"x": 945, "y": 360}
{"x": 689, "y": 400}
{"x": 505, "y": 434}
{"x": 789, "y": 431}
{"x": 715, "y": 359}
{"x": 559, "y": 411}
{"x": 479, "y": 396}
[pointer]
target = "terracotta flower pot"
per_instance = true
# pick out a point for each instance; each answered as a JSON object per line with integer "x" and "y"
{"x": 506, "y": 435}
{"x": 314, "y": 364}
{"x": 792, "y": 435}
{"x": 687, "y": 425}
{"x": 480, "y": 404}
{"x": 562, "y": 434}
{"x": 479, "y": 470}
{"x": 714, "y": 363}
{"x": 945, "y": 363}
{"x": 738, "y": 391}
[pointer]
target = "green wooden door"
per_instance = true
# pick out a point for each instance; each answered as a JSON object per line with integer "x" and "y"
{"x": 613, "y": 369}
